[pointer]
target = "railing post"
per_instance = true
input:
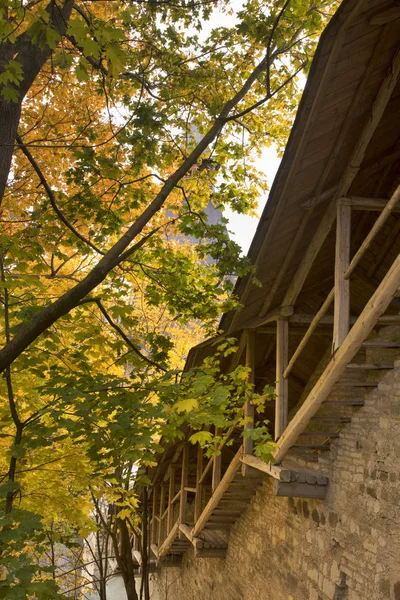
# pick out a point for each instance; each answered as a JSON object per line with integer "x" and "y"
{"x": 184, "y": 484}
{"x": 171, "y": 494}
{"x": 199, "y": 486}
{"x": 160, "y": 520}
{"x": 341, "y": 322}
{"x": 154, "y": 518}
{"x": 281, "y": 400}
{"x": 249, "y": 407}
{"x": 217, "y": 464}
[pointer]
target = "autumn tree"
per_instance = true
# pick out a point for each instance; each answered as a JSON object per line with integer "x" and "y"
{"x": 102, "y": 185}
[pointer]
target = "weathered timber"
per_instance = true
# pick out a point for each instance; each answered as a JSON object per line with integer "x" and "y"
{"x": 314, "y": 247}
{"x": 199, "y": 487}
{"x": 342, "y": 285}
{"x": 154, "y": 549}
{"x": 184, "y": 484}
{"x": 210, "y": 553}
{"x": 310, "y": 331}
{"x": 282, "y": 271}
{"x": 171, "y": 493}
{"x": 281, "y": 400}
{"x": 384, "y": 94}
{"x": 336, "y": 367}
{"x": 369, "y": 204}
{"x": 154, "y": 521}
{"x": 160, "y": 523}
{"x": 163, "y": 549}
{"x": 381, "y": 220}
{"x": 249, "y": 407}
{"x": 299, "y": 490}
{"x": 217, "y": 466}
{"x": 219, "y": 492}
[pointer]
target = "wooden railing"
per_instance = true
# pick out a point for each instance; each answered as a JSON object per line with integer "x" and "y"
{"x": 176, "y": 518}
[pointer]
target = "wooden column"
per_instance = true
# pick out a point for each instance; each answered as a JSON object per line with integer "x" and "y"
{"x": 217, "y": 463}
{"x": 249, "y": 407}
{"x": 160, "y": 521}
{"x": 281, "y": 401}
{"x": 171, "y": 494}
{"x": 184, "y": 485}
{"x": 199, "y": 486}
{"x": 154, "y": 518}
{"x": 342, "y": 286}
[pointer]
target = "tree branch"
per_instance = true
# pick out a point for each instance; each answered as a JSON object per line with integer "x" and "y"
{"x": 52, "y": 198}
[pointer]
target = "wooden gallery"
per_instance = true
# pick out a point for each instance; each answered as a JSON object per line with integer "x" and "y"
{"x": 321, "y": 521}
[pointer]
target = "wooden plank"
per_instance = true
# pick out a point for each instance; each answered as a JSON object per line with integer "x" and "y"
{"x": 386, "y": 212}
{"x": 187, "y": 532}
{"x": 314, "y": 247}
{"x": 219, "y": 492}
{"x": 384, "y": 94}
{"x": 299, "y": 490}
{"x": 207, "y": 469}
{"x": 275, "y": 471}
{"x": 249, "y": 407}
{"x": 171, "y": 493}
{"x": 281, "y": 400}
{"x": 310, "y": 331}
{"x": 342, "y": 286}
{"x": 369, "y": 204}
{"x": 184, "y": 484}
{"x": 176, "y": 497}
{"x": 336, "y": 367}
{"x": 319, "y": 97}
{"x": 387, "y": 16}
{"x": 283, "y": 267}
{"x": 160, "y": 524}
{"x": 163, "y": 549}
{"x": 210, "y": 553}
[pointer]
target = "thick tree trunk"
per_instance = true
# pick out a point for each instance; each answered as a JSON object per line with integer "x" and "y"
{"x": 9, "y": 119}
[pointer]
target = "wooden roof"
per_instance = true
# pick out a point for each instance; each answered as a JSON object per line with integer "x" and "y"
{"x": 354, "y": 55}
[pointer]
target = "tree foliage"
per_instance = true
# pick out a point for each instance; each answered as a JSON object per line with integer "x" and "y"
{"x": 120, "y": 123}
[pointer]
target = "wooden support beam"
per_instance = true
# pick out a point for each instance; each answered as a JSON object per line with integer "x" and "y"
{"x": 318, "y": 99}
{"x": 210, "y": 553}
{"x": 176, "y": 497}
{"x": 171, "y": 494}
{"x": 310, "y": 331}
{"x": 336, "y": 367}
{"x": 160, "y": 523}
{"x": 184, "y": 484}
{"x": 386, "y": 16}
{"x": 368, "y": 204}
{"x": 249, "y": 407}
{"x": 217, "y": 465}
{"x": 207, "y": 469}
{"x": 311, "y": 253}
{"x": 342, "y": 285}
{"x": 281, "y": 400}
{"x": 187, "y": 532}
{"x": 154, "y": 522}
{"x": 163, "y": 549}
{"x": 199, "y": 487}
{"x": 381, "y": 101}
{"x": 219, "y": 492}
{"x": 381, "y": 220}
{"x": 299, "y": 490}
{"x": 154, "y": 549}
{"x": 138, "y": 557}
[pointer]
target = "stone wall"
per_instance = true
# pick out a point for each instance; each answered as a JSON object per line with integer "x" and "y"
{"x": 346, "y": 547}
